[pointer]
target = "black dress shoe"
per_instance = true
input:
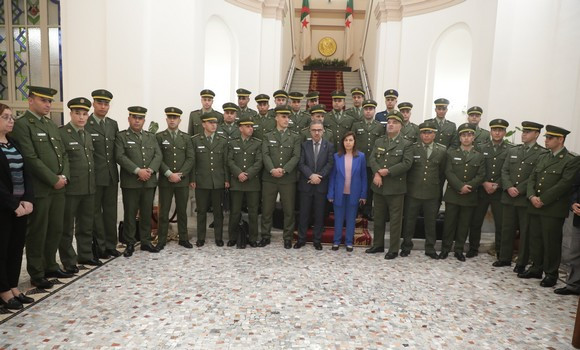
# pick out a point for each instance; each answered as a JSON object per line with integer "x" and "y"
{"x": 24, "y": 299}
{"x": 299, "y": 245}
{"x": 93, "y": 262}
{"x": 113, "y": 252}
{"x": 549, "y": 281}
{"x": 160, "y": 247}
{"x": 349, "y": 249}
{"x": 432, "y": 255}
{"x": 253, "y": 244}
{"x": 519, "y": 269}
{"x": 528, "y": 274}
{"x": 42, "y": 283}
{"x": 459, "y": 256}
{"x": 334, "y": 247}
{"x": 287, "y": 244}
{"x": 443, "y": 255}
{"x": 264, "y": 242}
{"x": 58, "y": 274}
{"x": 565, "y": 291}
{"x": 391, "y": 256}
{"x": 374, "y": 250}
{"x": 318, "y": 246}
{"x": 186, "y": 244}
{"x": 149, "y": 248}
{"x": 472, "y": 253}
{"x": 199, "y": 243}
{"x": 241, "y": 246}
{"x": 501, "y": 263}
{"x": 103, "y": 255}
{"x": 219, "y": 243}
{"x": 71, "y": 269}
{"x": 129, "y": 250}
{"x": 231, "y": 243}
{"x": 405, "y": 252}
{"x": 12, "y": 304}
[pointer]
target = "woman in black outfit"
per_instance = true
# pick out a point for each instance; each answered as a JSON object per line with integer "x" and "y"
{"x": 15, "y": 205}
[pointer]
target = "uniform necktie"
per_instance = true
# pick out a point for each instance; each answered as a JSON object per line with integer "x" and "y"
{"x": 316, "y": 149}
{"x": 173, "y": 134}
{"x": 428, "y": 150}
{"x": 82, "y": 135}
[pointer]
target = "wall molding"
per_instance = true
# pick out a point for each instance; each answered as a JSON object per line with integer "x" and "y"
{"x": 267, "y": 8}
{"x": 395, "y": 10}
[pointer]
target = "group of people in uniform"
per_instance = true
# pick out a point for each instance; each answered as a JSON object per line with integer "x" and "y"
{"x": 256, "y": 156}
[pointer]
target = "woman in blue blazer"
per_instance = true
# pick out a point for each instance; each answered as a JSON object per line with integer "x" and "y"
{"x": 347, "y": 188}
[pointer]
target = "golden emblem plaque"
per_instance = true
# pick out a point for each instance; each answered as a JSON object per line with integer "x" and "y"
{"x": 327, "y": 46}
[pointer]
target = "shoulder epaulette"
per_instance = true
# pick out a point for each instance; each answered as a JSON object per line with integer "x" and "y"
{"x": 257, "y": 139}
{"x": 222, "y": 136}
{"x": 196, "y": 136}
{"x": 440, "y": 145}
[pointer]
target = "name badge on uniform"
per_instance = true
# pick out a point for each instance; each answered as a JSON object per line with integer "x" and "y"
{"x": 220, "y": 132}
{"x": 95, "y": 135}
{"x": 165, "y": 142}
{"x": 360, "y": 129}
{"x": 272, "y": 141}
{"x": 255, "y": 126}
{"x": 383, "y": 122}
{"x": 416, "y": 156}
{"x": 73, "y": 143}
{"x": 485, "y": 153}
{"x": 41, "y": 134}
{"x": 515, "y": 157}
{"x": 131, "y": 142}
{"x": 380, "y": 149}
{"x": 236, "y": 147}
{"x": 290, "y": 121}
{"x": 457, "y": 158}
{"x": 200, "y": 146}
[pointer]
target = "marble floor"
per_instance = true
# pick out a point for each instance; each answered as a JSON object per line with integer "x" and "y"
{"x": 272, "y": 298}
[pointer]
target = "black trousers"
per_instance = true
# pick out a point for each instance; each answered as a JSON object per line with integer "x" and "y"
{"x": 311, "y": 205}
{"x": 12, "y": 238}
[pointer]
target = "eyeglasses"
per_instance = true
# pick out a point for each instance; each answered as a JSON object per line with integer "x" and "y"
{"x": 7, "y": 117}
{"x": 316, "y": 130}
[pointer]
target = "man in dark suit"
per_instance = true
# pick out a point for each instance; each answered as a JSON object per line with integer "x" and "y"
{"x": 573, "y": 225}
{"x": 548, "y": 191}
{"x": 315, "y": 165}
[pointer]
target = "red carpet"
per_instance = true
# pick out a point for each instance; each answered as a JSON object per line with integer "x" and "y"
{"x": 325, "y": 82}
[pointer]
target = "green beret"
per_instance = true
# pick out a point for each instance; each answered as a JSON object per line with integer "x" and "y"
{"x": 405, "y": 105}
{"x": 173, "y": 111}
{"x": 102, "y": 94}
{"x": 318, "y": 109}
{"x": 557, "y": 131}
{"x": 527, "y": 125}
{"x": 338, "y": 94}
{"x": 245, "y": 120}
{"x": 391, "y": 93}
{"x": 396, "y": 115}
{"x": 475, "y": 110}
{"x": 284, "y": 109}
{"x": 41, "y": 91}
{"x": 230, "y": 106}
{"x": 441, "y": 102}
{"x": 137, "y": 110}
{"x": 427, "y": 125}
{"x": 466, "y": 127}
{"x": 207, "y": 93}
{"x": 499, "y": 123}
{"x": 79, "y": 103}
{"x": 209, "y": 117}
{"x": 296, "y": 95}
{"x": 280, "y": 93}
{"x": 243, "y": 92}
{"x": 262, "y": 98}
{"x": 357, "y": 91}
{"x": 369, "y": 103}
{"x": 312, "y": 95}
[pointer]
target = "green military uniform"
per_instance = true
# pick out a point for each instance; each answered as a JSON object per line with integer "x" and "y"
{"x": 135, "y": 151}
{"x": 244, "y": 156}
{"x": 366, "y": 134}
{"x": 423, "y": 190}
{"x": 210, "y": 173}
{"x": 356, "y": 112}
{"x": 395, "y": 155}
{"x": 516, "y": 170}
{"x": 194, "y": 125}
{"x": 103, "y": 133}
{"x": 494, "y": 157}
{"x": 46, "y": 159}
{"x": 277, "y": 93}
{"x": 228, "y": 131}
{"x": 462, "y": 168}
{"x": 80, "y": 192}
{"x": 410, "y": 131}
{"x": 177, "y": 151}
{"x": 551, "y": 181}
{"x": 246, "y": 111}
{"x": 263, "y": 125}
{"x": 338, "y": 122}
{"x": 280, "y": 149}
{"x": 482, "y": 137}
{"x": 299, "y": 119}
{"x": 446, "y": 133}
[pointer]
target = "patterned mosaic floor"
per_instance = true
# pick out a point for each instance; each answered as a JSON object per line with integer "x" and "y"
{"x": 271, "y": 298}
